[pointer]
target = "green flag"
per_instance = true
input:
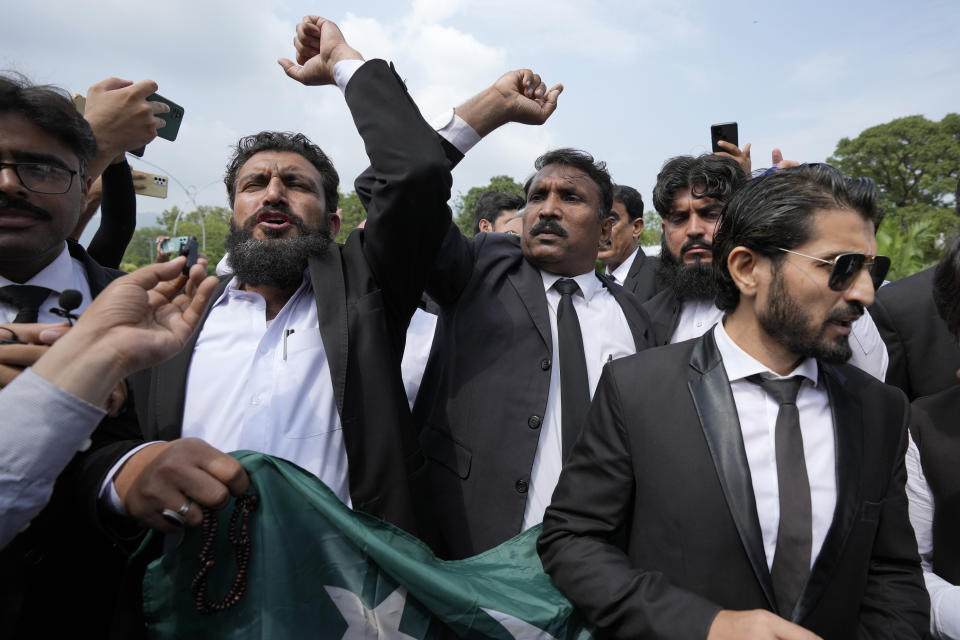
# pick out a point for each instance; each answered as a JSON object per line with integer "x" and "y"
{"x": 319, "y": 570}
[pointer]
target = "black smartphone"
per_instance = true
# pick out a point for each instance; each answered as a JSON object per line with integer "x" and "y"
{"x": 182, "y": 246}
{"x": 726, "y": 131}
{"x": 172, "y": 118}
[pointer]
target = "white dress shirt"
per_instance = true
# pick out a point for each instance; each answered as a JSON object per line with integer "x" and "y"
{"x": 869, "y": 351}
{"x": 266, "y": 386}
{"x": 416, "y": 352}
{"x": 757, "y": 411}
{"x": 43, "y": 427}
{"x": 944, "y": 597}
{"x": 606, "y": 336}
{"x": 620, "y": 273}
{"x": 65, "y": 272}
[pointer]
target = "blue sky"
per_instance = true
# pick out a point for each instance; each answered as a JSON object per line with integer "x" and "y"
{"x": 643, "y": 81}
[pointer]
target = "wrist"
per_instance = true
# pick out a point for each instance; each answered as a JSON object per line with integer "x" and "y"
{"x": 81, "y": 365}
{"x": 484, "y": 112}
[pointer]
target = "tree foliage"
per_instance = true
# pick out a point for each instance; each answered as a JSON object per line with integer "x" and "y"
{"x": 464, "y": 205}
{"x": 916, "y": 164}
{"x": 353, "y": 214}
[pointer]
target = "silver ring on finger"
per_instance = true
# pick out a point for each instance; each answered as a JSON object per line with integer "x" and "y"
{"x": 173, "y": 517}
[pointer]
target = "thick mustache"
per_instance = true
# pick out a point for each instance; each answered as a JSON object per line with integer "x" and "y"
{"x": 548, "y": 226}
{"x": 853, "y": 310}
{"x": 6, "y": 202}
{"x": 696, "y": 242}
{"x": 251, "y": 222}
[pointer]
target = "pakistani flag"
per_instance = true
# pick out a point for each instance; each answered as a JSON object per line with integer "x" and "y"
{"x": 319, "y": 570}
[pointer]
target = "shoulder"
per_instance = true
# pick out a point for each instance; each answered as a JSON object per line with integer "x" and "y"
{"x": 903, "y": 293}
{"x": 942, "y": 403}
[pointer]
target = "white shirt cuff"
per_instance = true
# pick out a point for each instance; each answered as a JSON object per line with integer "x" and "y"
{"x": 108, "y": 495}
{"x": 456, "y": 131}
{"x": 344, "y": 70}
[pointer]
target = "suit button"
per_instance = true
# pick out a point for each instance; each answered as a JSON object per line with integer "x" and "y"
{"x": 522, "y": 486}
{"x": 534, "y": 422}
{"x": 545, "y": 364}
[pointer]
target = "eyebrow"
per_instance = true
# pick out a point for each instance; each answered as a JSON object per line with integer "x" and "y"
{"x": 30, "y": 156}
{"x": 285, "y": 174}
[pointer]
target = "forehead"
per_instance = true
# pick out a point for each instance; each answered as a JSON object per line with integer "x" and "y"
{"x": 279, "y": 162}
{"x": 20, "y": 138}
{"x": 561, "y": 177}
{"x": 837, "y": 231}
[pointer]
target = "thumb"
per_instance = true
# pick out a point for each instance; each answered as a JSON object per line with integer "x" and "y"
{"x": 746, "y": 150}
{"x": 291, "y": 68}
{"x": 550, "y": 100}
{"x": 776, "y": 157}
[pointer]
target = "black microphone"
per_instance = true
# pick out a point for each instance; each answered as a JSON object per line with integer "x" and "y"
{"x": 69, "y": 300}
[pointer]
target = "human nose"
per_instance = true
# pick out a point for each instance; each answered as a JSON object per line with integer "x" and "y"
{"x": 10, "y": 181}
{"x": 550, "y": 206}
{"x": 276, "y": 191}
{"x": 696, "y": 226}
{"x": 861, "y": 290}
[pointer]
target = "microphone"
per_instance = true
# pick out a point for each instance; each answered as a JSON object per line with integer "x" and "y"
{"x": 69, "y": 300}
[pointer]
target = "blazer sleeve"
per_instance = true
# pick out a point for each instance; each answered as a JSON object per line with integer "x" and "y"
{"x": 591, "y": 507}
{"x": 895, "y": 603}
{"x": 406, "y": 188}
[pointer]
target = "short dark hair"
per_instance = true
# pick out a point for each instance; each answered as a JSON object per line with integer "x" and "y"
{"x": 946, "y": 286}
{"x": 707, "y": 176}
{"x": 491, "y": 204}
{"x": 51, "y": 109}
{"x": 630, "y": 198}
{"x": 776, "y": 211}
{"x": 298, "y": 143}
{"x": 582, "y": 160}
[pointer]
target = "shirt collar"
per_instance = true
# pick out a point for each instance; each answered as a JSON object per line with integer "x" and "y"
{"x": 589, "y": 282}
{"x": 739, "y": 364}
{"x": 58, "y": 275}
{"x": 621, "y": 272}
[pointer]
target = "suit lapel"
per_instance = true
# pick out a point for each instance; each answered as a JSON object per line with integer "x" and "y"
{"x": 529, "y": 286}
{"x": 848, "y": 436}
{"x": 169, "y": 382}
{"x": 664, "y": 310}
{"x": 329, "y": 290}
{"x": 98, "y": 276}
{"x": 632, "y": 311}
{"x": 717, "y": 411}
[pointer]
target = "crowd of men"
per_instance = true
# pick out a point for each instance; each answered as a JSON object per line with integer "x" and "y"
{"x": 705, "y": 436}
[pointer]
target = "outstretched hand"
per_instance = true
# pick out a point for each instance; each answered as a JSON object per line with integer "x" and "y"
{"x": 320, "y": 46}
{"x": 742, "y": 156}
{"x": 517, "y": 96}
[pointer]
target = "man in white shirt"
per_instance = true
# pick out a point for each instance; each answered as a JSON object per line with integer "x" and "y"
{"x": 749, "y": 483}
{"x": 622, "y": 254}
{"x": 689, "y": 196}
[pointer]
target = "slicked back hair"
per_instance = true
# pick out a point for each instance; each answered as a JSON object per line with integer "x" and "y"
{"x": 491, "y": 204}
{"x": 284, "y": 141}
{"x": 777, "y": 211}
{"x": 707, "y": 176}
{"x": 51, "y": 109}
{"x": 631, "y": 200}
{"x": 946, "y": 286}
{"x": 595, "y": 169}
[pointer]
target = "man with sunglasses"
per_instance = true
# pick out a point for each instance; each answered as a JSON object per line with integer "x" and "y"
{"x": 755, "y": 488}
{"x": 689, "y": 196}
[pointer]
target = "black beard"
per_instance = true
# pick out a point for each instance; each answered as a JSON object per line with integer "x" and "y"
{"x": 688, "y": 281}
{"x": 279, "y": 262}
{"x": 786, "y": 322}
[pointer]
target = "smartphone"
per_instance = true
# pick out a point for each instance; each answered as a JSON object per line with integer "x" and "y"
{"x": 172, "y": 118}
{"x": 726, "y": 131}
{"x": 154, "y": 185}
{"x": 182, "y": 246}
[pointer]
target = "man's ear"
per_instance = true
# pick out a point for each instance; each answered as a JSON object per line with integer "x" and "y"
{"x": 335, "y": 221}
{"x": 637, "y": 228}
{"x": 606, "y": 226}
{"x": 744, "y": 267}
{"x": 485, "y": 225}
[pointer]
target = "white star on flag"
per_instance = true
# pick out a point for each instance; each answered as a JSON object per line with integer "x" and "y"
{"x": 383, "y": 621}
{"x": 519, "y": 629}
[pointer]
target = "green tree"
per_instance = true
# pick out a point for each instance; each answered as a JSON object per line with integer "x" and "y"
{"x": 464, "y": 205}
{"x": 905, "y": 248}
{"x": 915, "y": 163}
{"x": 353, "y": 214}
{"x": 651, "y": 228}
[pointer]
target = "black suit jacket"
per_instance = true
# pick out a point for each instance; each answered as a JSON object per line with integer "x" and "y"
{"x": 62, "y": 563}
{"x": 484, "y": 391}
{"x": 664, "y": 311}
{"x": 924, "y": 357}
{"x": 671, "y": 478}
{"x": 366, "y": 291}
{"x": 641, "y": 279}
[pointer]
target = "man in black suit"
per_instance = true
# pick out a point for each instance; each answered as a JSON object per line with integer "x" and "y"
{"x": 689, "y": 196}
{"x": 749, "y": 483}
{"x": 49, "y": 155}
{"x": 493, "y": 428}
{"x": 622, "y": 254}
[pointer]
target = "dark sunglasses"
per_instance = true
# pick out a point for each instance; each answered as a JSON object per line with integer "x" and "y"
{"x": 846, "y": 266}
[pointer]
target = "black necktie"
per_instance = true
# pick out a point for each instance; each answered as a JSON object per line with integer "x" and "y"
{"x": 574, "y": 384}
{"x": 26, "y": 298}
{"x": 791, "y": 560}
